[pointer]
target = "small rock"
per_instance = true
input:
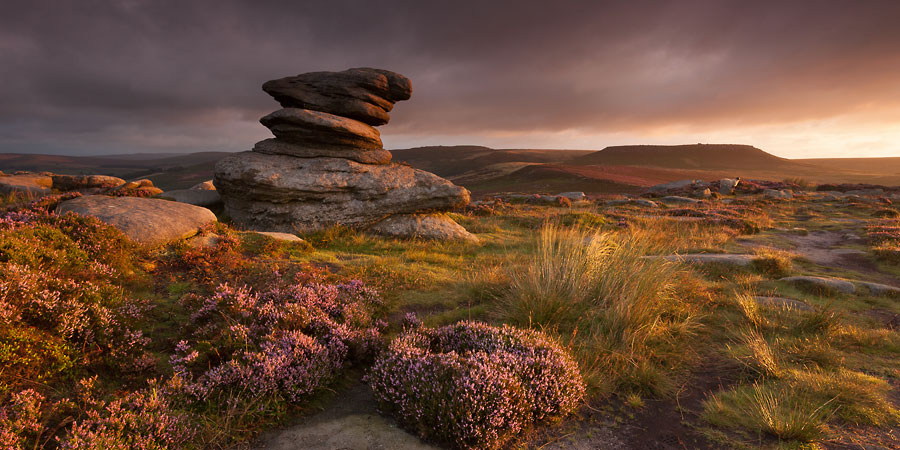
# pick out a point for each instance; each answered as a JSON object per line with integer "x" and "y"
{"x": 706, "y": 193}
{"x": 205, "y": 186}
{"x": 148, "y": 221}
{"x": 573, "y": 196}
{"x": 207, "y": 241}
{"x": 727, "y": 185}
{"x": 278, "y": 236}
{"x": 437, "y": 227}
{"x": 645, "y": 202}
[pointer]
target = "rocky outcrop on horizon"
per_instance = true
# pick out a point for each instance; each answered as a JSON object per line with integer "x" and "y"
{"x": 326, "y": 165}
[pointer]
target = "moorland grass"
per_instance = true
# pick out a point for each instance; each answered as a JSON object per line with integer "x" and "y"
{"x": 619, "y": 312}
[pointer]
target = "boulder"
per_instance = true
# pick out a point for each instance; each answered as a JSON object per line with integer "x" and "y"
{"x": 321, "y": 130}
{"x": 783, "y": 194}
{"x": 832, "y": 284}
{"x": 283, "y": 193}
{"x": 880, "y": 289}
{"x": 196, "y": 197}
{"x": 727, "y": 185}
{"x": 573, "y": 196}
{"x": 145, "y": 220}
{"x": 365, "y": 156}
{"x": 205, "y": 186}
{"x": 645, "y": 203}
{"x": 422, "y": 226}
{"x": 78, "y": 182}
{"x": 28, "y": 184}
{"x": 363, "y": 94}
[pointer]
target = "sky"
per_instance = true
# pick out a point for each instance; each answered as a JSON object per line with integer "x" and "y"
{"x": 799, "y": 79}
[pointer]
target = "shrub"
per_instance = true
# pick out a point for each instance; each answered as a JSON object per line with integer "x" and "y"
{"x": 282, "y": 343}
{"x": 145, "y": 419}
{"x": 474, "y": 385}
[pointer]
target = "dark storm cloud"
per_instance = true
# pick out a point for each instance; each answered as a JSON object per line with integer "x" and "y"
{"x": 92, "y": 77}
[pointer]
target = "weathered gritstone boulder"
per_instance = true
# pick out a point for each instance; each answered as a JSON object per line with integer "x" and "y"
{"x": 282, "y": 193}
{"x": 326, "y": 165}
{"x": 365, "y": 156}
{"x": 363, "y": 94}
{"x": 431, "y": 226}
{"x": 314, "y": 128}
{"x": 76, "y": 182}
{"x": 29, "y": 184}
{"x": 145, "y": 220}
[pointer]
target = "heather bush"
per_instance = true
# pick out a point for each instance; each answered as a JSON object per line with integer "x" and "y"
{"x": 145, "y": 419}
{"x": 279, "y": 344}
{"x": 475, "y": 385}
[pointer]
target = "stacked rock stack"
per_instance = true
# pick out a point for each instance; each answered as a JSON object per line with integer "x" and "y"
{"x": 326, "y": 165}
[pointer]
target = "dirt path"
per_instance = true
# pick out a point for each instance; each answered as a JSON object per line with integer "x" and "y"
{"x": 350, "y": 422}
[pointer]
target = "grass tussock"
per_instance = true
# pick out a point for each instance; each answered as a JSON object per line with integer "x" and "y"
{"x": 618, "y": 311}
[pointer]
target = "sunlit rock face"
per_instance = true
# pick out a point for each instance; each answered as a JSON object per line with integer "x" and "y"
{"x": 326, "y": 165}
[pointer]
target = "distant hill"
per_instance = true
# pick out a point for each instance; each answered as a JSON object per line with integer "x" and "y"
{"x": 448, "y": 161}
{"x": 691, "y": 156}
{"x": 618, "y": 169}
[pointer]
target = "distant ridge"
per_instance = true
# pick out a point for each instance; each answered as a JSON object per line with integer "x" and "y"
{"x": 690, "y": 156}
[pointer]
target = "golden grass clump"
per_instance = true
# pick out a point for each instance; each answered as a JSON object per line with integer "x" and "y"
{"x": 617, "y": 310}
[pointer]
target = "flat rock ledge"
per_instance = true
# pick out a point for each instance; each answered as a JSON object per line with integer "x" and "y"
{"x": 147, "y": 221}
{"x": 834, "y": 284}
{"x": 420, "y": 226}
{"x": 880, "y": 289}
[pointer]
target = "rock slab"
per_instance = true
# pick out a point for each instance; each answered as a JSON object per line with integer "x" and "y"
{"x": 421, "y": 226}
{"x": 321, "y": 130}
{"x": 363, "y": 94}
{"x": 282, "y": 193}
{"x": 145, "y": 220}
{"x": 835, "y": 284}
{"x": 364, "y": 156}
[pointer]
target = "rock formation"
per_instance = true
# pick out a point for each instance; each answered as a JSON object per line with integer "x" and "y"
{"x": 326, "y": 165}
